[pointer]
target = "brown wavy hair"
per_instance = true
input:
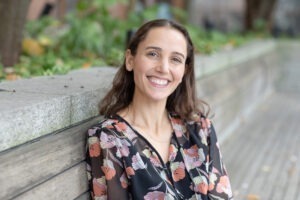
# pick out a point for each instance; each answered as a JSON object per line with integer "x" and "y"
{"x": 182, "y": 101}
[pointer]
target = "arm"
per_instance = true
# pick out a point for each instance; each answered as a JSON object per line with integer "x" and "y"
{"x": 219, "y": 185}
{"x": 107, "y": 178}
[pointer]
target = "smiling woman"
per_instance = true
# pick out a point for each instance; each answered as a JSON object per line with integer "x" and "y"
{"x": 158, "y": 65}
{"x": 155, "y": 141}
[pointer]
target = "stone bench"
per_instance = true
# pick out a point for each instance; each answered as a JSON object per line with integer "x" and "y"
{"x": 43, "y": 120}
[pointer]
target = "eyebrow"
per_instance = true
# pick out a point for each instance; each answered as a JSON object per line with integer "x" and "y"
{"x": 160, "y": 49}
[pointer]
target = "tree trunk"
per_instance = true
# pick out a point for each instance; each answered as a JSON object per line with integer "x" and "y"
{"x": 266, "y": 12}
{"x": 179, "y": 3}
{"x": 12, "y": 20}
{"x": 259, "y": 9}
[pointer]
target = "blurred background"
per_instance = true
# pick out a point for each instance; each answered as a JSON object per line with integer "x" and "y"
{"x": 45, "y": 37}
{"x": 48, "y": 37}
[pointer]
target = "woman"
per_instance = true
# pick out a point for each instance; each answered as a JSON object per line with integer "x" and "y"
{"x": 155, "y": 142}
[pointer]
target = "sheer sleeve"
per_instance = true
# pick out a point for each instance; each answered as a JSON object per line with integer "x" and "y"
{"x": 219, "y": 185}
{"x": 106, "y": 175}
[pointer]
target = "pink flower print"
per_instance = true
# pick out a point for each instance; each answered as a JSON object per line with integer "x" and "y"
{"x": 156, "y": 195}
{"x": 130, "y": 134}
{"x": 201, "y": 155}
{"x": 224, "y": 185}
{"x": 212, "y": 181}
{"x": 124, "y": 181}
{"x": 155, "y": 161}
{"x": 107, "y": 141}
{"x": 153, "y": 157}
{"x": 192, "y": 152}
{"x": 178, "y": 171}
{"x": 108, "y": 169}
{"x": 202, "y": 188}
{"x": 172, "y": 152}
{"x": 178, "y": 127}
{"x": 200, "y": 184}
{"x": 99, "y": 187}
{"x": 137, "y": 162}
{"x": 203, "y": 135}
{"x": 191, "y": 157}
{"x": 130, "y": 171}
{"x": 94, "y": 146}
{"x": 123, "y": 149}
{"x": 121, "y": 126}
{"x": 108, "y": 123}
{"x": 92, "y": 131}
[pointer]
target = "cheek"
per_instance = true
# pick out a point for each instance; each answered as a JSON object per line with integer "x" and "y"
{"x": 178, "y": 74}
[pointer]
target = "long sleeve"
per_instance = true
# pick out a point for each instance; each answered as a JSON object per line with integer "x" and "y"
{"x": 107, "y": 177}
{"x": 219, "y": 185}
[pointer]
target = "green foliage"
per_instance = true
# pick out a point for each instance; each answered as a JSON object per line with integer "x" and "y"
{"x": 2, "y": 75}
{"x": 209, "y": 42}
{"x": 90, "y": 36}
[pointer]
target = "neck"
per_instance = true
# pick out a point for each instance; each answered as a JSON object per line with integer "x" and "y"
{"x": 147, "y": 115}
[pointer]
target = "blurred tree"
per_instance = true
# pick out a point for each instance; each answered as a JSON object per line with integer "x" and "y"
{"x": 258, "y": 14}
{"x": 12, "y": 20}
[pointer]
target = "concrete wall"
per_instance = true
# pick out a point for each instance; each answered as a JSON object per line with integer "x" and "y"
{"x": 43, "y": 120}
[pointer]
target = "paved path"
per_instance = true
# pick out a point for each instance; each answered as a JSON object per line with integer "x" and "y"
{"x": 263, "y": 156}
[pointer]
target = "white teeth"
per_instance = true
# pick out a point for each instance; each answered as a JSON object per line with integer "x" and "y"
{"x": 159, "y": 81}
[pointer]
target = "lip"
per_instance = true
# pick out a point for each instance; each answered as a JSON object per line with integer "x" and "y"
{"x": 158, "y": 81}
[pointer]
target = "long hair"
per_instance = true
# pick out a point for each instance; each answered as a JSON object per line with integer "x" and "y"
{"x": 183, "y": 101}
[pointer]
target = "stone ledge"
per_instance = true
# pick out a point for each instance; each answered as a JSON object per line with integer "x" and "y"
{"x": 34, "y": 107}
{"x": 31, "y": 108}
{"x": 207, "y": 65}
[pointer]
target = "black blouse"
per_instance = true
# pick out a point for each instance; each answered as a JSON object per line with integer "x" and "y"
{"x": 122, "y": 164}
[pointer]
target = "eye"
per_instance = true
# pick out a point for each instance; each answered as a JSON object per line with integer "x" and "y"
{"x": 177, "y": 60}
{"x": 152, "y": 54}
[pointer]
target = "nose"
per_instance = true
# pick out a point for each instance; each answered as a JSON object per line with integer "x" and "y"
{"x": 163, "y": 66}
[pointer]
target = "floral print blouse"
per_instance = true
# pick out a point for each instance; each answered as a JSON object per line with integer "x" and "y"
{"x": 122, "y": 164}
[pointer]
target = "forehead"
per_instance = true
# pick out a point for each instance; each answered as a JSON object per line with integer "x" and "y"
{"x": 166, "y": 38}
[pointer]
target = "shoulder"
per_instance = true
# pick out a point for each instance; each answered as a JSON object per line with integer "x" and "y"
{"x": 203, "y": 126}
{"x": 113, "y": 127}
{"x": 198, "y": 119}
{"x": 103, "y": 125}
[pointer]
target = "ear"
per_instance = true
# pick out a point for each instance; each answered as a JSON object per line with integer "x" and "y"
{"x": 129, "y": 60}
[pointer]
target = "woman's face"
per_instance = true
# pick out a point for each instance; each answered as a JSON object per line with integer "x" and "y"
{"x": 159, "y": 64}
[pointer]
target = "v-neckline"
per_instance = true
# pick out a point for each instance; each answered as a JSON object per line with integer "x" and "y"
{"x": 164, "y": 164}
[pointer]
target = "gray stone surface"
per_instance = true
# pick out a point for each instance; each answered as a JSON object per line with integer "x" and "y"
{"x": 262, "y": 155}
{"x": 42, "y": 114}
{"x": 290, "y": 70}
{"x": 30, "y": 108}
{"x": 207, "y": 65}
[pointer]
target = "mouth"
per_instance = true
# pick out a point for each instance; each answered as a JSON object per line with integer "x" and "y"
{"x": 158, "y": 81}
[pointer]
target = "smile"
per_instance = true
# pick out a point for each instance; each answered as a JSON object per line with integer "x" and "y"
{"x": 157, "y": 81}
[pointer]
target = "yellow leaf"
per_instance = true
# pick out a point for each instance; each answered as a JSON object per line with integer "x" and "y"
{"x": 253, "y": 197}
{"x": 86, "y": 65}
{"x": 32, "y": 47}
{"x": 44, "y": 41}
{"x": 12, "y": 77}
